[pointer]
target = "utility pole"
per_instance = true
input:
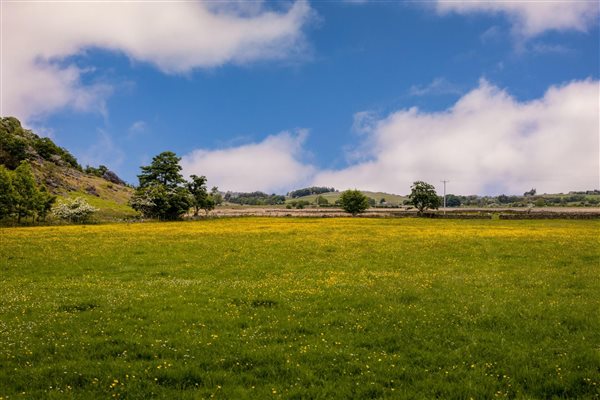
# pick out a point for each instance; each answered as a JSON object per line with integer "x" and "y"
{"x": 445, "y": 181}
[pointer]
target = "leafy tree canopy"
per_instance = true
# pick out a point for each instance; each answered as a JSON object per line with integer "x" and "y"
{"x": 158, "y": 201}
{"x": 423, "y": 196}
{"x": 160, "y": 193}
{"x": 354, "y": 202}
{"x": 164, "y": 169}
{"x": 201, "y": 199}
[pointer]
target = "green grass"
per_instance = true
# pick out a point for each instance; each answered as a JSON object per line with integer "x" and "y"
{"x": 301, "y": 308}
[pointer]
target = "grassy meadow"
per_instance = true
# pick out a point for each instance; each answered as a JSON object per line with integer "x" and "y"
{"x": 301, "y": 309}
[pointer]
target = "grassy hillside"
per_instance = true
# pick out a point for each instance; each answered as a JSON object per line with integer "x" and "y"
{"x": 56, "y": 169}
{"x": 332, "y": 197}
{"x": 110, "y": 198}
{"x": 302, "y": 308}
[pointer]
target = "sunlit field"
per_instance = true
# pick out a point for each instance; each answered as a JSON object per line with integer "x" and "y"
{"x": 302, "y": 308}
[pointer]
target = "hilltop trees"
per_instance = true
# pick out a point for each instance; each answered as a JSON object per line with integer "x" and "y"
{"x": 18, "y": 144}
{"x": 254, "y": 198}
{"x": 354, "y": 202}
{"x": 310, "y": 190}
{"x": 423, "y": 196}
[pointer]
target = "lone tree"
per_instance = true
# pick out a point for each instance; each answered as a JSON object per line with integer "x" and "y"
{"x": 354, "y": 202}
{"x": 423, "y": 197}
{"x": 161, "y": 194}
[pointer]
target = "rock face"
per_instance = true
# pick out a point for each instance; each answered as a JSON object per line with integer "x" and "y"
{"x": 112, "y": 177}
{"x": 92, "y": 190}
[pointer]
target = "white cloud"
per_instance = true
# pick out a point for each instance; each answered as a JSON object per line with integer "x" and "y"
{"x": 273, "y": 165}
{"x": 439, "y": 86}
{"x": 38, "y": 77}
{"x": 488, "y": 142}
{"x": 531, "y": 18}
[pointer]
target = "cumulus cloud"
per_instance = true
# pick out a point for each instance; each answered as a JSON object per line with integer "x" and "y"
{"x": 272, "y": 165}
{"x": 39, "y": 40}
{"x": 531, "y": 18}
{"x": 488, "y": 142}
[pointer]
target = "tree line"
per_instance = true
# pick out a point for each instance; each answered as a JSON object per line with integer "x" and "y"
{"x": 164, "y": 194}
{"x": 309, "y": 191}
{"x": 254, "y": 198}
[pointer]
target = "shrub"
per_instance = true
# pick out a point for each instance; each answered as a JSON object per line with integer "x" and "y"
{"x": 354, "y": 202}
{"x": 76, "y": 210}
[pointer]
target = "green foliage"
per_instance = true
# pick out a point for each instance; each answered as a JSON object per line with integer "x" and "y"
{"x": 321, "y": 201}
{"x": 298, "y": 204}
{"x": 164, "y": 169}
{"x": 392, "y": 200}
{"x": 26, "y": 191}
{"x": 453, "y": 201}
{"x": 160, "y": 194}
{"x": 540, "y": 202}
{"x": 7, "y": 193}
{"x": 75, "y": 210}
{"x": 18, "y": 144}
{"x": 44, "y": 202}
{"x": 201, "y": 199}
{"x": 254, "y": 198}
{"x": 161, "y": 202}
{"x": 20, "y": 195}
{"x": 99, "y": 172}
{"x": 354, "y": 202}
{"x": 217, "y": 197}
{"x": 423, "y": 196}
{"x": 310, "y": 190}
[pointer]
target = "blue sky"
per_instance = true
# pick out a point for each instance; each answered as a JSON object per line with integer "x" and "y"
{"x": 274, "y": 96}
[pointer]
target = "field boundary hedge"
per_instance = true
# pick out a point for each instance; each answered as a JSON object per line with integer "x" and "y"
{"x": 552, "y": 215}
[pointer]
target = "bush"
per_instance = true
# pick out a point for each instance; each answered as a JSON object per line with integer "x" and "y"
{"x": 76, "y": 210}
{"x": 354, "y": 202}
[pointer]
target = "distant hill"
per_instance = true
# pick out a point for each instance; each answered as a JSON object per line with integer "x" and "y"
{"x": 332, "y": 197}
{"x": 57, "y": 169}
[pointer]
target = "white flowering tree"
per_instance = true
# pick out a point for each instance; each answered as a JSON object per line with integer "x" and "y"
{"x": 75, "y": 210}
